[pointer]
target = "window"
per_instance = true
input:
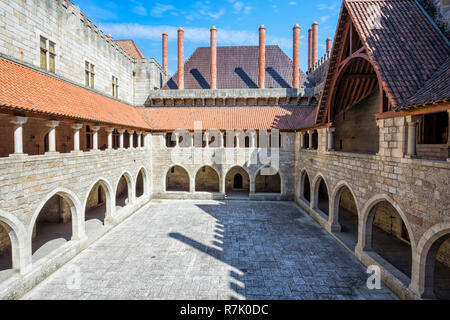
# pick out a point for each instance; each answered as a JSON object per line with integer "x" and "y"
{"x": 115, "y": 87}
{"x": 89, "y": 74}
{"x": 116, "y": 139}
{"x": 47, "y": 55}
{"x": 88, "y": 138}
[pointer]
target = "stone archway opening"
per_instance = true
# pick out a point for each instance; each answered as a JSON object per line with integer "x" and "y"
{"x": 123, "y": 192}
{"x": 237, "y": 182}
{"x": 347, "y": 217}
{"x": 6, "y": 264}
{"x": 305, "y": 189}
{"x": 140, "y": 187}
{"x": 322, "y": 197}
{"x": 437, "y": 270}
{"x": 96, "y": 209}
{"x": 268, "y": 183}
{"x": 53, "y": 226}
{"x": 177, "y": 180}
{"x": 207, "y": 180}
{"x": 388, "y": 236}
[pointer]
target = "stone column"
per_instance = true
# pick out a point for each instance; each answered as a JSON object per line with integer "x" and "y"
{"x": 131, "y": 133}
{"x": 76, "y": 136}
{"x": 139, "y": 143}
{"x": 302, "y": 140}
{"x": 121, "y": 132}
{"x": 18, "y": 133}
{"x": 310, "y": 133}
{"x": 221, "y": 139}
{"x": 330, "y": 141}
{"x": 95, "y": 131}
{"x": 237, "y": 140}
{"x": 411, "y": 151}
{"x": 110, "y": 137}
{"x": 177, "y": 139}
{"x": 206, "y": 137}
{"x": 253, "y": 140}
{"x": 52, "y": 135}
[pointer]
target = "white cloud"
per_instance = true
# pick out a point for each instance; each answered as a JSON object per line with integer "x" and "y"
{"x": 213, "y": 15}
{"x": 140, "y": 10}
{"x": 327, "y": 6}
{"x": 238, "y": 5}
{"x": 292, "y": 3}
{"x": 159, "y": 9}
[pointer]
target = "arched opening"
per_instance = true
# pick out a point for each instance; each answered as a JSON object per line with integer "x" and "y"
{"x": 96, "y": 209}
{"x": 305, "y": 187}
{"x": 306, "y": 140}
{"x": 389, "y": 237}
{"x": 322, "y": 197}
{"x": 207, "y": 180}
{"x": 346, "y": 213}
{"x": 6, "y": 264}
{"x": 437, "y": 270}
{"x": 237, "y": 182}
{"x": 53, "y": 226}
{"x": 268, "y": 183}
{"x": 140, "y": 187}
{"x": 123, "y": 191}
{"x": 177, "y": 179}
{"x": 315, "y": 140}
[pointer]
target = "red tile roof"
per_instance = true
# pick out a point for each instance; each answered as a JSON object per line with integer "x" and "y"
{"x": 237, "y": 67}
{"x": 232, "y": 118}
{"x": 25, "y": 90}
{"x": 130, "y": 47}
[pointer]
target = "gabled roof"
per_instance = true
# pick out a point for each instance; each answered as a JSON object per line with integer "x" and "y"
{"x": 237, "y": 67}
{"x": 130, "y": 47}
{"x": 231, "y": 118}
{"x": 404, "y": 46}
{"x": 26, "y": 90}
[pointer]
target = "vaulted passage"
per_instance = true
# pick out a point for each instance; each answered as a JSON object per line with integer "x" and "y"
{"x": 140, "y": 184}
{"x": 53, "y": 227}
{"x": 96, "y": 208}
{"x": 5, "y": 253}
{"x": 268, "y": 183}
{"x": 347, "y": 214}
{"x": 437, "y": 270}
{"x": 177, "y": 179}
{"x": 123, "y": 192}
{"x": 322, "y": 197}
{"x": 207, "y": 180}
{"x": 237, "y": 181}
{"x": 390, "y": 238}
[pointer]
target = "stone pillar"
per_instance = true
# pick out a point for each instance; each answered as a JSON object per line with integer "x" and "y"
{"x": 330, "y": 142}
{"x": 310, "y": 133}
{"x": 262, "y": 57}
{"x": 315, "y": 42}
{"x": 302, "y": 140}
{"x": 110, "y": 137}
{"x": 206, "y": 137}
{"x": 131, "y": 133}
{"x": 411, "y": 150}
{"x": 76, "y": 136}
{"x": 18, "y": 133}
{"x": 213, "y": 61}
{"x": 177, "y": 139}
{"x": 296, "y": 58}
{"x": 52, "y": 135}
{"x": 139, "y": 142}
{"x": 165, "y": 64}
{"x": 253, "y": 140}
{"x": 121, "y": 132}
{"x": 181, "y": 59}
{"x": 221, "y": 139}
{"x": 95, "y": 131}
{"x": 329, "y": 47}
{"x": 237, "y": 140}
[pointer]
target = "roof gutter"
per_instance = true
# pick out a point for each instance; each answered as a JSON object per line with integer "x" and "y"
{"x": 432, "y": 22}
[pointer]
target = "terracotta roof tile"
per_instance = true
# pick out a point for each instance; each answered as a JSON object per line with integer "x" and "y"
{"x": 233, "y": 118}
{"x": 130, "y": 47}
{"x": 26, "y": 90}
{"x": 237, "y": 67}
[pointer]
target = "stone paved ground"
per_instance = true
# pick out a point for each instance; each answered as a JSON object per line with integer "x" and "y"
{"x": 213, "y": 250}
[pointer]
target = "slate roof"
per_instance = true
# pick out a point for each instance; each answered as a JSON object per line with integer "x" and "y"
{"x": 237, "y": 67}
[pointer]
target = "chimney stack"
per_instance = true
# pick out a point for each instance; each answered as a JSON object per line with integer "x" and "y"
{"x": 262, "y": 57}
{"x": 309, "y": 48}
{"x": 109, "y": 36}
{"x": 213, "y": 61}
{"x": 315, "y": 42}
{"x": 164, "y": 44}
{"x": 296, "y": 58}
{"x": 328, "y": 45}
{"x": 180, "y": 59}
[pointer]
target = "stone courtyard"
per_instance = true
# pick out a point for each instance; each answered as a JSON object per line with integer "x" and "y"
{"x": 213, "y": 250}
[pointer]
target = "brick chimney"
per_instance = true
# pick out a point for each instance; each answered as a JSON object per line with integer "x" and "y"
{"x": 213, "y": 58}
{"x": 328, "y": 45}
{"x": 315, "y": 42}
{"x": 180, "y": 59}
{"x": 262, "y": 57}
{"x": 110, "y": 37}
{"x": 164, "y": 44}
{"x": 309, "y": 48}
{"x": 296, "y": 57}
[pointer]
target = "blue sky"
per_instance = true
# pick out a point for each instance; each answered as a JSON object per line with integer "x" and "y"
{"x": 237, "y": 22}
